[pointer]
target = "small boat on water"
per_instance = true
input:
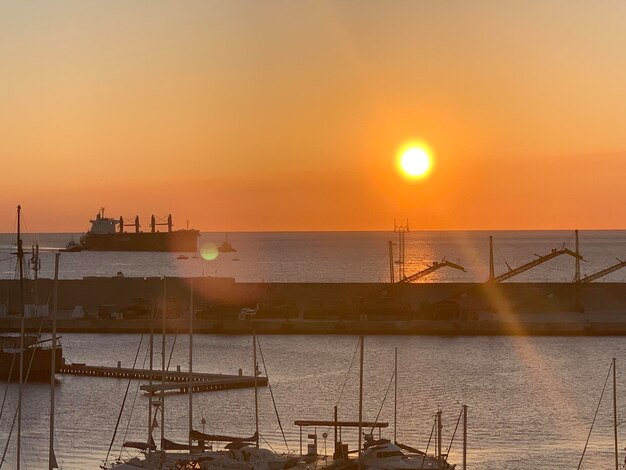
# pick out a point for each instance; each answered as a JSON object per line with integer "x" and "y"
{"x": 226, "y": 247}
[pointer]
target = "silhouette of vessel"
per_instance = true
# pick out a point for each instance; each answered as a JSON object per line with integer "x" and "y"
{"x": 104, "y": 235}
{"x": 226, "y": 247}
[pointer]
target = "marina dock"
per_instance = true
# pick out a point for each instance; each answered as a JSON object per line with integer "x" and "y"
{"x": 174, "y": 381}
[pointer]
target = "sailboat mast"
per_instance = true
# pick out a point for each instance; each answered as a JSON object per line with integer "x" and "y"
{"x": 362, "y": 342}
{"x": 20, "y": 261}
{"x": 190, "y": 360}
{"x": 439, "y": 428}
{"x": 395, "y": 397}
{"x": 51, "y": 457}
{"x": 615, "y": 413}
{"x": 256, "y": 393}
{"x": 151, "y": 365}
{"x": 464, "y": 437}
{"x": 163, "y": 364}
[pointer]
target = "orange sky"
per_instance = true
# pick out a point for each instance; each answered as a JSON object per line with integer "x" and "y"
{"x": 281, "y": 115}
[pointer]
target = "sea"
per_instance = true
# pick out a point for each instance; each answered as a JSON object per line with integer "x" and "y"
{"x": 532, "y": 401}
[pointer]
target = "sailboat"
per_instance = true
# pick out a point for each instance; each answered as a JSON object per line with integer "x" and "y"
{"x": 31, "y": 352}
{"x": 239, "y": 454}
{"x": 27, "y": 358}
{"x": 386, "y": 455}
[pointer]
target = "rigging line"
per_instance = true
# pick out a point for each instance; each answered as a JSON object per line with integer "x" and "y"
{"x": 272, "y": 394}
{"x": 172, "y": 350}
{"x": 454, "y": 433}
{"x": 21, "y": 395}
{"x": 393, "y": 374}
{"x": 428, "y": 445}
{"x": 356, "y": 349}
{"x": 132, "y": 408}
{"x": 268, "y": 444}
{"x": 594, "y": 416}
{"x": 119, "y": 416}
{"x": 6, "y": 388}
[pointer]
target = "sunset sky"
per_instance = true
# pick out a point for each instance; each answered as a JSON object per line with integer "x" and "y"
{"x": 288, "y": 115}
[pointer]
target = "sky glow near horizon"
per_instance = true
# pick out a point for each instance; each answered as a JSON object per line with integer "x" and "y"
{"x": 288, "y": 115}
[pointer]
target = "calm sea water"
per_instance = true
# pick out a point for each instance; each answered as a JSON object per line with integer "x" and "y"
{"x": 340, "y": 256}
{"x": 531, "y": 400}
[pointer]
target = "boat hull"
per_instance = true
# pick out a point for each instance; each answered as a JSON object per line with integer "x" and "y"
{"x": 38, "y": 359}
{"x": 179, "y": 240}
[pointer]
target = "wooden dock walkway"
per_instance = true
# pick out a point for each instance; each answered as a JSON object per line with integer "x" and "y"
{"x": 175, "y": 381}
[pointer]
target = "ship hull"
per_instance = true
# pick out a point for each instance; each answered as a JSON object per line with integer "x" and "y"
{"x": 180, "y": 240}
{"x": 37, "y": 359}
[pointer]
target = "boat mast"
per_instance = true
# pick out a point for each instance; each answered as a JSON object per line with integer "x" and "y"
{"x": 256, "y": 393}
{"x": 190, "y": 360}
{"x": 163, "y": 369}
{"x": 615, "y": 412}
{"x": 20, "y": 261}
{"x": 395, "y": 398}
{"x": 439, "y": 456}
{"x": 464, "y": 437}
{"x": 361, "y": 341}
{"x": 151, "y": 396}
{"x": 52, "y": 461}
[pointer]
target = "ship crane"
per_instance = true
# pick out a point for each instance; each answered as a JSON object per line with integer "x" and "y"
{"x": 540, "y": 260}
{"x": 604, "y": 272}
{"x": 122, "y": 224}
{"x": 154, "y": 223}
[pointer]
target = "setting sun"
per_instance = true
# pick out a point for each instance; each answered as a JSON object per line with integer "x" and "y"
{"x": 415, "y": 162}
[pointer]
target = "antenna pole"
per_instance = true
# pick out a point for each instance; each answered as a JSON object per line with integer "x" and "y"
{"x": 391, "y": 270}
{"x": 51, "y": 458}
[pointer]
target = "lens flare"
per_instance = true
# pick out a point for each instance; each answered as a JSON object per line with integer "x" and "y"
{"x": 209, "y": 251}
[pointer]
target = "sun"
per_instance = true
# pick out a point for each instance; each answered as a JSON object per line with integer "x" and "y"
{"x": 415, "y": 161}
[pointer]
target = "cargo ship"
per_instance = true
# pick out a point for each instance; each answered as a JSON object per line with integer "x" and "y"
{"x": 108, "y": 234}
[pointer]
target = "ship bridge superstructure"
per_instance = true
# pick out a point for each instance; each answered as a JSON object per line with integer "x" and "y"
{"x": 102, "y": 225}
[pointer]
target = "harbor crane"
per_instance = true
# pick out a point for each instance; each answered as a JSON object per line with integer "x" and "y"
{"x": 605, "y": 272}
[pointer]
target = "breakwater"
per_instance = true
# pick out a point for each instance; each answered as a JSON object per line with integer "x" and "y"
{"x": 221, "y": 305}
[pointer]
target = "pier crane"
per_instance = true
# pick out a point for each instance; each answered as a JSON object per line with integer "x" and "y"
{"x": 605, "y": 272}
{"x": 540, "y": 260}
{"x": 414, "y": 277}
{"x": 430, "y": 269}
